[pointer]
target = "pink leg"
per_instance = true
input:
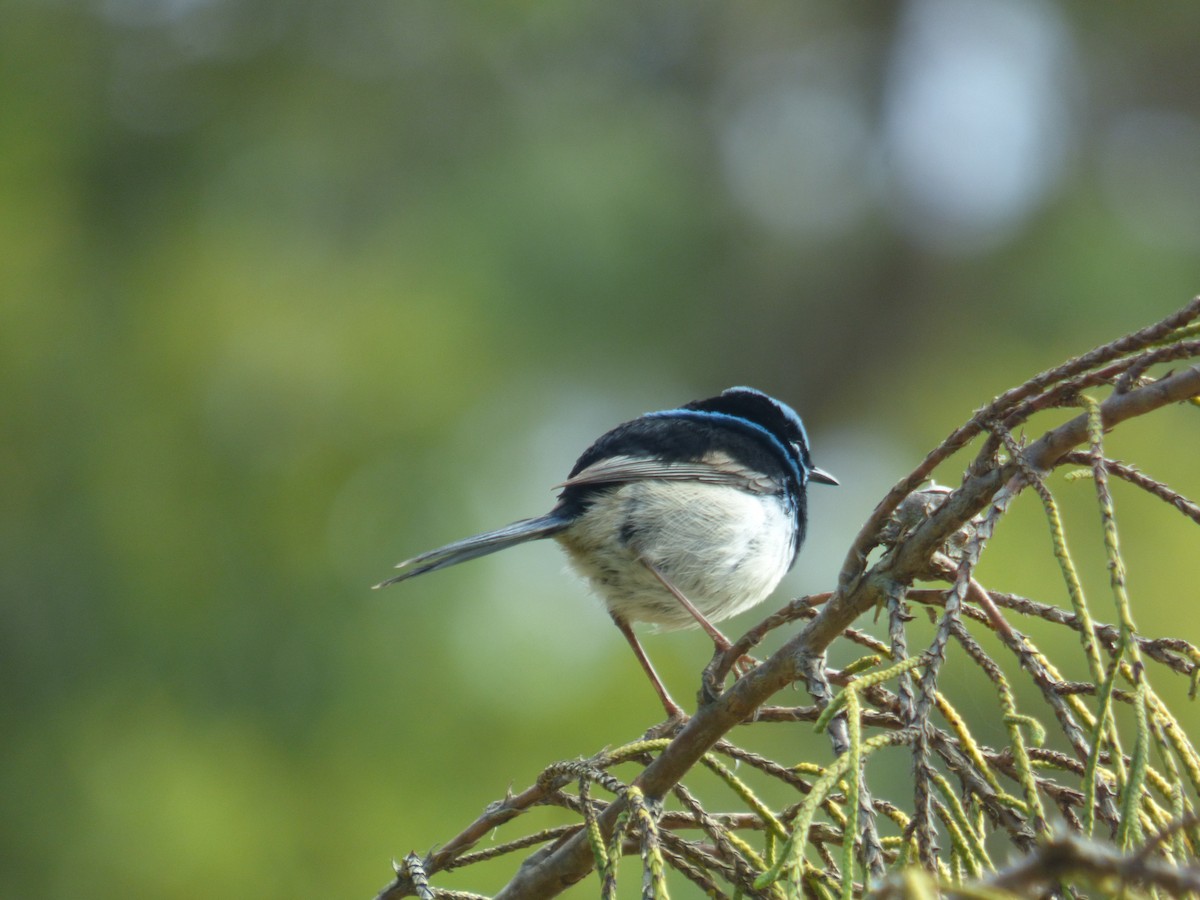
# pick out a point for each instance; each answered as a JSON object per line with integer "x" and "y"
{"x": 719, "y": 639}
{"x": 674, "y": 710}
{"x": 742, "y": 665}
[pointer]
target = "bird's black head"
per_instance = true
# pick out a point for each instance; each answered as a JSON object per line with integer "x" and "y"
{"x": 778, "y": 419}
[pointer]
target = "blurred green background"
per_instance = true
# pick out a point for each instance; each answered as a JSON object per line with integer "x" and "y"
{"x": 292, "y": 291}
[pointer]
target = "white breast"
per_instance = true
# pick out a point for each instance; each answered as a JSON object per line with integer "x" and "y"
{"x": 725, "y": 549}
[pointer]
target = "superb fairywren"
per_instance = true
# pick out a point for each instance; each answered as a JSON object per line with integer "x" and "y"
{"x": 677, "y": 518}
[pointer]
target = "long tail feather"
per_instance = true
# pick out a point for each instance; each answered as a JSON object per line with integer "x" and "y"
{"x": 479, "y": 545}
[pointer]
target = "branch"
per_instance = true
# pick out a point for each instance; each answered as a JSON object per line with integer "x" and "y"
{"x": 1070, "y": 855}
{"x": 548, "y": 874}
{"x": 868, "y": 536}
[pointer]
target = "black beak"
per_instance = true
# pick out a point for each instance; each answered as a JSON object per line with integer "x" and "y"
{"x": 820, "y": 475}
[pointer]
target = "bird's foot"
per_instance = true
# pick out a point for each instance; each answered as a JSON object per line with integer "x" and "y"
{"x": 713, "y": 679}
{"x": 673, "y": 724}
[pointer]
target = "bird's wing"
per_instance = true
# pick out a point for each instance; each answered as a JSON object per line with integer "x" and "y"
{"x": 716, "y": 468}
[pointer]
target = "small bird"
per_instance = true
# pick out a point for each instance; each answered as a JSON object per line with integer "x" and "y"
{"x": 677, "y": 518}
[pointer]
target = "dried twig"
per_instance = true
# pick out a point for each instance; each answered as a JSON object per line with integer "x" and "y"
{"x": 777, "y": 842}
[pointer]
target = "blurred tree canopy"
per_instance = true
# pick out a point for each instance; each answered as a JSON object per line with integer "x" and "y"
{"x": 291, "y": 291}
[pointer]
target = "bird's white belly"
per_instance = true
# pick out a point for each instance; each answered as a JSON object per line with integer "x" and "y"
{"x": 725, "y": 549}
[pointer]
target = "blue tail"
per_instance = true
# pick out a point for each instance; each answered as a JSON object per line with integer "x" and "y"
{"x": 480, "y": 545}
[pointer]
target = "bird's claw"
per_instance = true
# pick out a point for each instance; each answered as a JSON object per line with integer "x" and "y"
{"x": 669, "y": 727}
{"x": 712, "y": 683}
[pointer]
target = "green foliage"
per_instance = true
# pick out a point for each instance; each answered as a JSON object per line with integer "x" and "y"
{"x": 775, "y": 842}
{"x": 286, "y": 289}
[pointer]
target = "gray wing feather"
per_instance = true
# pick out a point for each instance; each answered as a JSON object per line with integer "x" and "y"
{"x": 716, "y": 469}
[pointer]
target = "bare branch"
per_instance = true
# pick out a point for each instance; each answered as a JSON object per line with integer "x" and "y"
{"x": 572, "y": 861}
{"x": 933, "y": 534}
